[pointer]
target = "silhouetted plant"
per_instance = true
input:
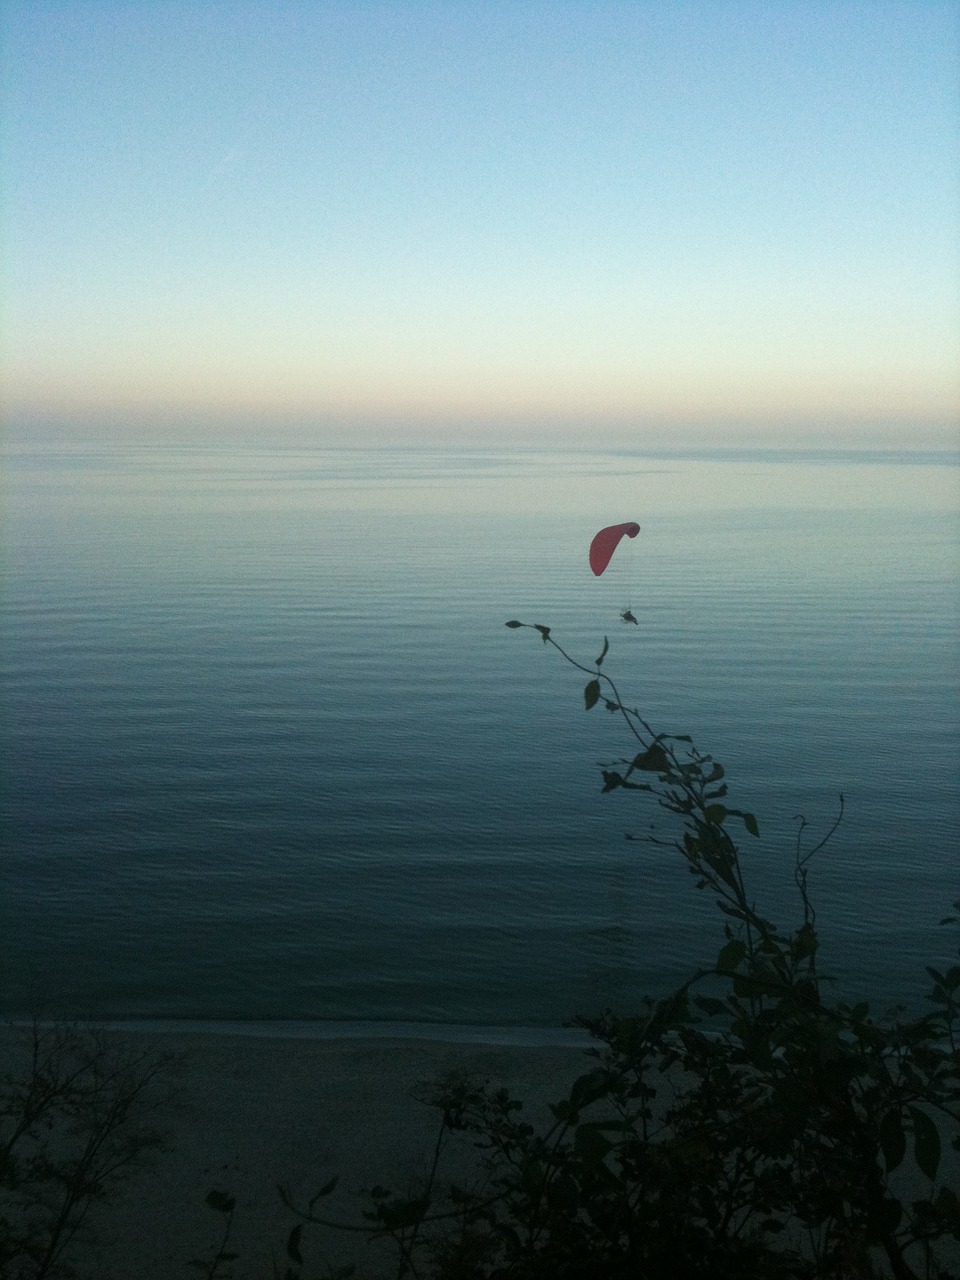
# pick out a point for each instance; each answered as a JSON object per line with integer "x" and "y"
{"x": 748, "y": 1125}
{"x": 218, "y": 1265}
{"x": 72, "y": 1125}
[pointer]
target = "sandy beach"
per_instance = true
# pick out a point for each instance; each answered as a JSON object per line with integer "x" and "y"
{"x": 250, "y": 1111}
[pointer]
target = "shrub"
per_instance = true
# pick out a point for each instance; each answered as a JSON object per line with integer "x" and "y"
{"x": 749, "y": 1125}
{"x": 72, "y": 1125}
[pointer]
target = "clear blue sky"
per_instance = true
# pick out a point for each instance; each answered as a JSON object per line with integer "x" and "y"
{"x": 736, "y": 215}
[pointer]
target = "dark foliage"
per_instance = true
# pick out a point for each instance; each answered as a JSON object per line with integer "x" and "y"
{"x": 750, "y": 1125}
{"x": 72, "y": 1125}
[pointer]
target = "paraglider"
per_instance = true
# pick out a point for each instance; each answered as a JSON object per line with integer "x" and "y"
{"x": 606, "y": 542}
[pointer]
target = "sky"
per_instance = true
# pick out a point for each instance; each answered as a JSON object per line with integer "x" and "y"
{"x": 464, "y": 220}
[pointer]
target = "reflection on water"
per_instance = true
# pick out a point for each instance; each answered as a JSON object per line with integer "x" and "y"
{"x": 274, "y": 755}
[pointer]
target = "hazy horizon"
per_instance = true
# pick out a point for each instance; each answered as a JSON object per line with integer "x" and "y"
{"x": 278, "y": 433}
{"x": 722, "y": 222}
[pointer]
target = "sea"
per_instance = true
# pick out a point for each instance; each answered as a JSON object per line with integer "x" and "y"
{"x": 270, "y": 756}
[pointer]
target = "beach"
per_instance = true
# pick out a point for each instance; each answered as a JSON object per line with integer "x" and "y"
{"x": 242, "y": 1113}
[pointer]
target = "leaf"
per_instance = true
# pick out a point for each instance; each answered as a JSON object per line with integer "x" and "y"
{"x": 591, "y": 1145}
{"x": 563, "y": 1194}
{"x": 566, "y": 1111}
{"x": 710, "y": 1005}
{"x": 948, "y": 1206}
{"x": 611, "y": 780}
{"x": 544, "y": 631}
{"x": 893, "y": 1140}
{"x": 603, "y": 651}
{"x": 715, "y": 814}
{"x": 731, "y": 955}
{"x": 750, "y": 822}
{"x": 884, "y": 1218}
{"x": 926, "y": 1143}
{"x": 653, "y": 760}
{"x": 805, "y": 943}
{"x": 587, "y": 1088}
{"x": 221, "y": 1201}
{"x": 513, "y": 623}
{"x": 293, "y": 1244}
{"x": 591, "y": 694}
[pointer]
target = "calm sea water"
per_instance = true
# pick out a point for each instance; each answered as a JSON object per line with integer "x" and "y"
{"x": 269, "y": 751}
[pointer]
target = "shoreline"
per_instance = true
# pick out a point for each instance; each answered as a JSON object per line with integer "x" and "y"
{"x": 567, "y": 1037}
{"x": 292, "y": 1104}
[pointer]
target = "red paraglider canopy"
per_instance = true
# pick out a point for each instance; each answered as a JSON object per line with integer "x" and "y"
{"x": 606, "y": 542}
